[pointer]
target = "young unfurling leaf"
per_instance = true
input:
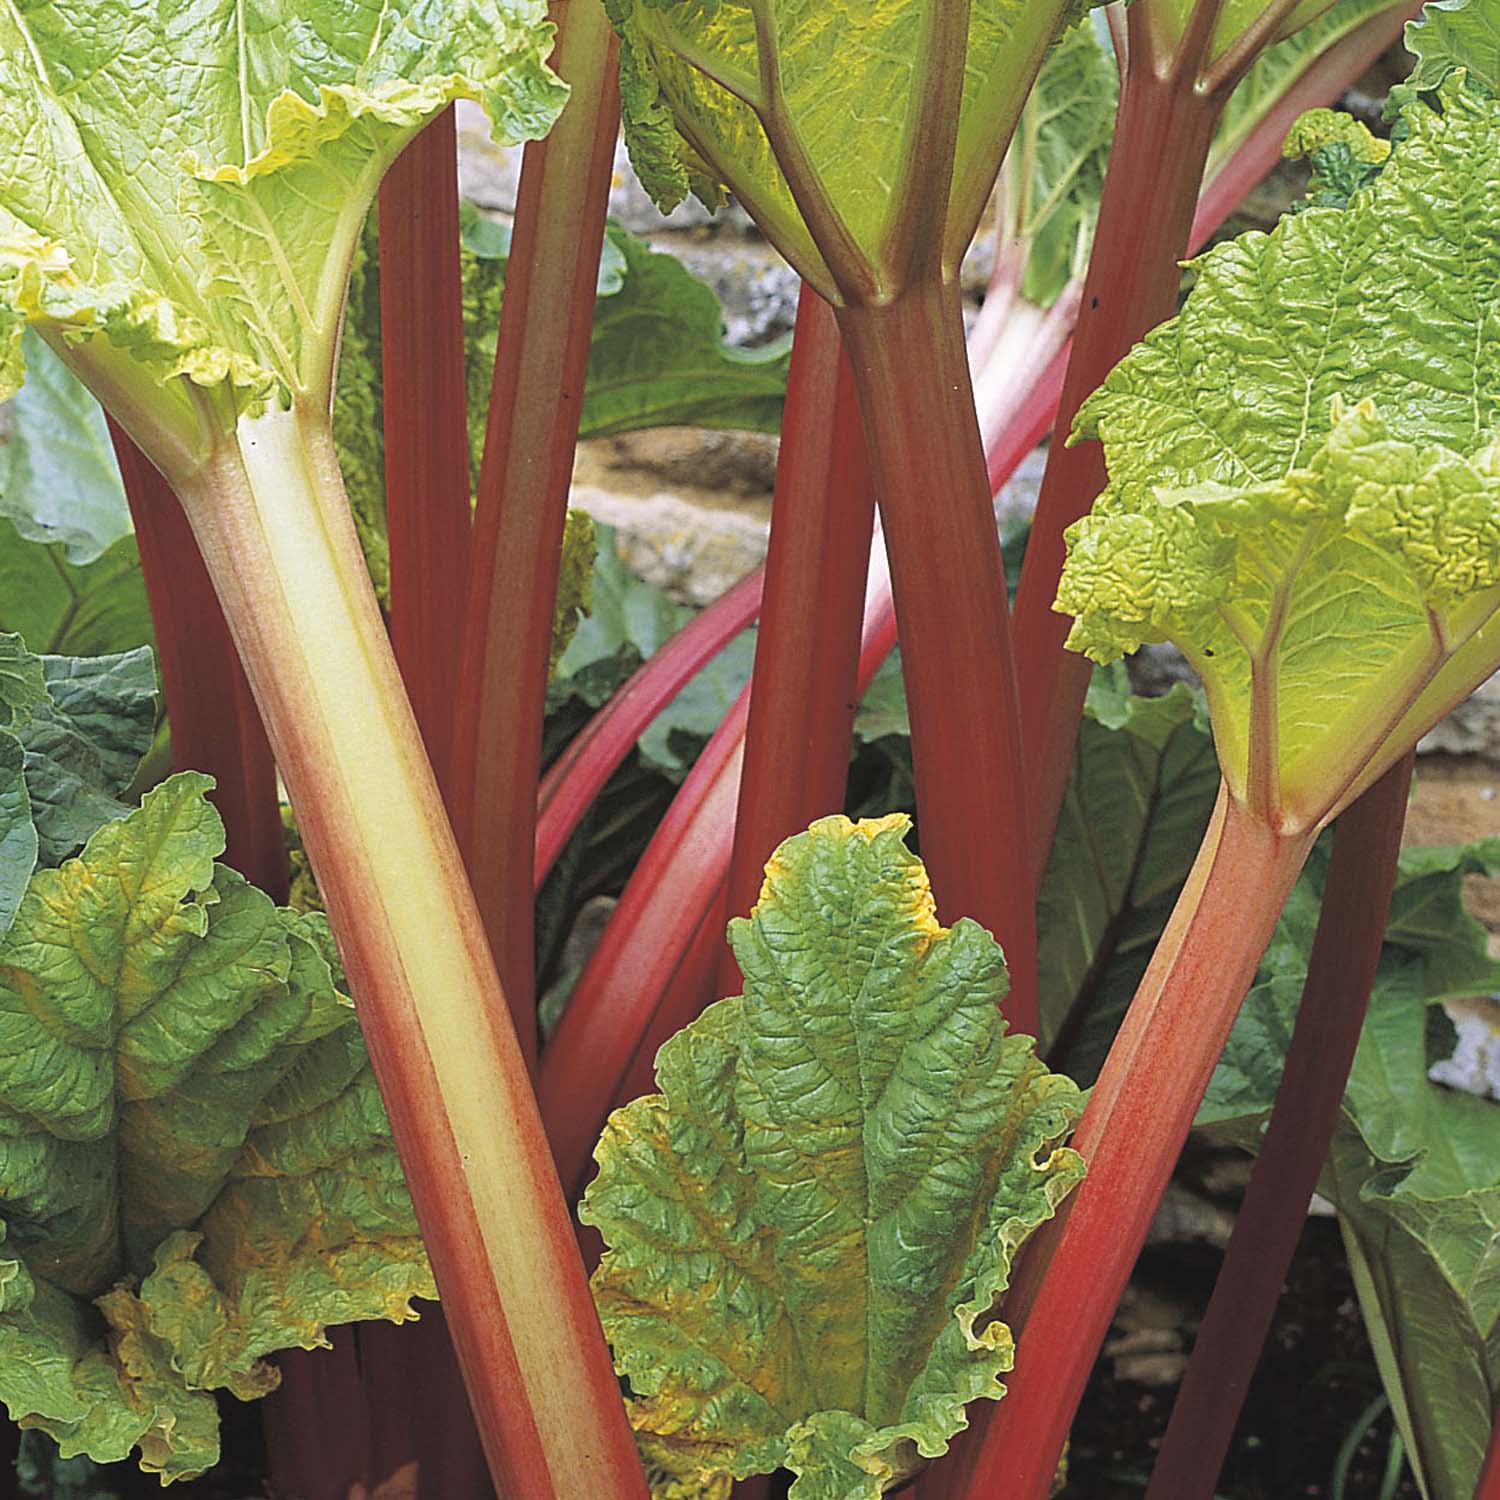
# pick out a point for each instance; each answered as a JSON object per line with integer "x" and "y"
{"x": 811, "y": 1226}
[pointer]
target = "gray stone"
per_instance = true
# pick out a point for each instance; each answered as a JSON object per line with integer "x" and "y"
{"x": 697, "y": 463}
{"x": 1184, "y": 1218}
{"x": 1474, "y": 1066}
{"x": 488, "y": 175}
{"x": 695, "y": 554}
{"x": 758, "y": 289}
{"x": 1473, "y": 728}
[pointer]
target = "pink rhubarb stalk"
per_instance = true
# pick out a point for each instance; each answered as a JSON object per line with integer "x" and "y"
{"x": 269, "y": 513}
{"x": 1137, "y": 1118}
{"x": 802, "y": 694}
{"x": 1335, "y": 999}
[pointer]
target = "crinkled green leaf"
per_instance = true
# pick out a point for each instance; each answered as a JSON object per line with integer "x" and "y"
{"x": 186, "y": 182}
{"x": 846, "y": 93}
{"x": 195, "y": 1169}
{"x": 1251, "y": 516}
{"x": 1456, "y": 34}
{"x": 59, "y": 481}
{"x": 1138, "y": 801}
{"x": 811, "y": 1226}
{"x": 1343, "y": 154}
{"x": 85, "y": 744}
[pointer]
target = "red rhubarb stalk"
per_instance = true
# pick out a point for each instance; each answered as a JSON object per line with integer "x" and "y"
{"x": 802, "y": 697}
{"x": 541, "y": 364}
{"x": 1162, "y": 138}
{"x": 937, "y": 511}
{"x": 1335, "y": 998}
{"x": 214, "y": 722}
{"x": 426, "y": 433}
{"x": 1137, "y": 1118}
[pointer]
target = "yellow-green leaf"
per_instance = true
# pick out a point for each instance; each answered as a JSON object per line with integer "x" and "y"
{"x": 811, "y": 1226}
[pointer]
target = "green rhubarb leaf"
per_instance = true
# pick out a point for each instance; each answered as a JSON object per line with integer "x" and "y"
{"x": 1138, "y": 802}
{"x": 657, "y": 355}
{"x": 73, "y": 611}
{"x": 811, "y": 1226}
{"x": 195, "y": 1170}
{"x": 1415, "y": 1167}
{"x": 1342, "y": 153}
{"x": 85, "y": 743}
{"x": 1328, "y": 567}
{"x": 1456, "y": 34}
{"x": 706, "y": 87}
{"x": 59, "y": 482}
{"x": 189, "y": 184}
{"x": 1054, "y": 171}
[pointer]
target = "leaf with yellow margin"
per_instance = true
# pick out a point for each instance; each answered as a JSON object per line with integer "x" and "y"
{"x": 811, "y": 1226}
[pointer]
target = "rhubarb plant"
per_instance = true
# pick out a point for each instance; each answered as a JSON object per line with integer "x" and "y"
{"x": 812, "y": 1225}
{"x": 182, "y": 237}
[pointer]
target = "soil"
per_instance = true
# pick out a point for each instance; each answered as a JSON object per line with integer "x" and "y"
{"x": 1315, "y": 1379}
